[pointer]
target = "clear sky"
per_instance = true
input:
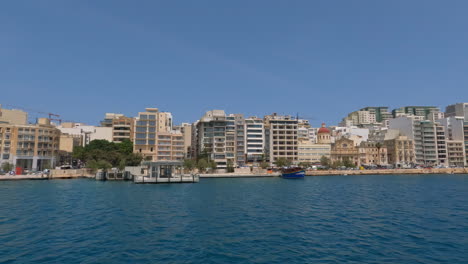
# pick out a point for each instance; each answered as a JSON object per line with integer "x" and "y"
{"x": 323, "y": 59}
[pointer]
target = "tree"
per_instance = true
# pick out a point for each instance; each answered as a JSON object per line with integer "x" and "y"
{"x": 264, "y": 164}
{"x": 378, "y": 146}
{"x": 282, "y": 162}
{"x": 304, "y": 164}
{"x": 212, "y": 164}
{"x": 230, "y": 166}
{"x": 336, "y": 164}
{"x": 189, "y": 164}
{"x": 348, "y": 164}
{"x": 7, "y": 166}
{"x": 324, "y": 161}
{"x": 202, "y": 164}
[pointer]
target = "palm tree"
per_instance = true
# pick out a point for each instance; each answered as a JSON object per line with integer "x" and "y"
{"x": 378, "y": 146}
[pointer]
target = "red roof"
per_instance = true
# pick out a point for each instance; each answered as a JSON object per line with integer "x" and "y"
{"x": 323, "y": 129}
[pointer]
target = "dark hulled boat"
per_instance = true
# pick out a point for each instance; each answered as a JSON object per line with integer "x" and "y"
{"x": 293, "y": 173}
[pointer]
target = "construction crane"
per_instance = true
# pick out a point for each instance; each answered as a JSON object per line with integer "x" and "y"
{"x": 52, "y": 116}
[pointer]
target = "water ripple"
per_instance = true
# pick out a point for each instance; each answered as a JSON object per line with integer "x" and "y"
{"x": 353, "y": 219}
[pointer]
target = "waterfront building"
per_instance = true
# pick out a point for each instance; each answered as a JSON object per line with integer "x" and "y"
{"x": 13, "y": 116}
{"x": 465, "y": 138}
{"x": 456, "y": 153}
{"x": 310, "y": 152}
{"x": 372, "y": 153}
{"x": 429, "y": 139}
{"x": 282, "y": 139}
{"x": 218, "y": 137}
{"x": 344, "y": 149}
{"x": 186, "y": 130}
{"x": 400, "y": 150}
{"x": 85, "y": 132}
{"x": 31, "y": 147}
{"x": 458, "y": 109}
{"x": 148, "y": 125}
{"x": 170, "y": 146}
{"x": 122, "y": 126}
{"x": 254, "y": 139}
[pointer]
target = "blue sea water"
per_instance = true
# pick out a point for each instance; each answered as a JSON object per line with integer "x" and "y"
{"x": 331, "y": 219}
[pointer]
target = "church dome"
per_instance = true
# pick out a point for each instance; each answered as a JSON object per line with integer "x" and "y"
{"x": 323, "y": 129}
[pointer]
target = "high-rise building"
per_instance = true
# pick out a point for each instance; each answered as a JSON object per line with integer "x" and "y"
{"x": 186, "y": 130}
{"x": 148, "y": 125}
{"x": 30, "y": 147}
{"x": 367, "y": 116}
{"x": 122, "y": 126}
{"x": 431, "y": 113}
{"x": 281, "y": 135}
{"x": 429, "y": 139}
{"x": 254, "y": 139}
{"x": 221, "y": 138}
{"x": 458, "y": 109}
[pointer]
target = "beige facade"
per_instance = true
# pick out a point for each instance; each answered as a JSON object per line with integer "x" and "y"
{"x": 13, "y": 116}
{"x": 311, "y": 152}
{"x": 170, "y": 146}
{"x": 32, "y": 147}
{"x": 400, "y": 151}
{"x": 69, "y": 142}
{"x": 122, "y": 126}
{"x": 345, "y": 150}
{"x": 149, "y": 126}
{"x": 456, "y": 153}
{"x": 186, "y": 130}
{"x": 282, "y": 138}
{"x": 372, "y": 153}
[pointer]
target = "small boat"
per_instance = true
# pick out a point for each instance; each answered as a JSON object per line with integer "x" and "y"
{"x": 293, "y": 173}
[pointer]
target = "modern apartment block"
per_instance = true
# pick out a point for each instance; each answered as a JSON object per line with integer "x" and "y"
{"x": 235, "y": 139}
{"x": 431, "y": 113}
{"x": 148, "y": 125}
{"x": 31, "y": 147}
{"x": 367, "y": 116}
{"x": 186, "y": 130}
{"x": 254, "y": 139}
{"x": 458, "y": 109}
{"x": 429, "y": 139}
{"x": 122, "y": 126}
{"x": 282, "y": 137}
{"x": 456, "y": 153}
{"x": 216, "y": 137}
{"x": 169, "y": 146}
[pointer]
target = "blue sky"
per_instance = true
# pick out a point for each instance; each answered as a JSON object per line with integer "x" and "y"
{"x": 323, "y": 59}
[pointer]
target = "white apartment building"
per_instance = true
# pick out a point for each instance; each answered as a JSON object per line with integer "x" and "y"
{"x": 254, "y": 139}
{"x": 429, "y": 139}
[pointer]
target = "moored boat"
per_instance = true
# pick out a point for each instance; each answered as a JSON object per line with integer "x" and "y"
{"x": 293, "y": 173}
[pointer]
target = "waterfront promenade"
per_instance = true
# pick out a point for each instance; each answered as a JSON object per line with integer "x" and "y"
{"x": 85, "y": 173}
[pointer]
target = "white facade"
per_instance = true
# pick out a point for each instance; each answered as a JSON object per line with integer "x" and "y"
{"x": 254, "y": 139}
{"x": 88, "y": 133}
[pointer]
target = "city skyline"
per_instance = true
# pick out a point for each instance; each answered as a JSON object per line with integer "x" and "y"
{"x": 317, "y": 59}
